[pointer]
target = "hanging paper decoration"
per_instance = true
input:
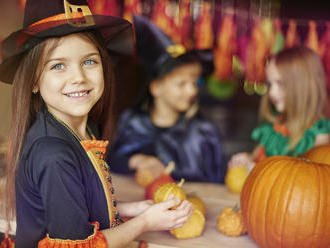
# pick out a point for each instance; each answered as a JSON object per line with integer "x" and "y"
{"x": 257, "y": 53}
{"x": 238, "y": 53}
{"x": 324, "y": 50}
{"x": 132, "y": 7}
{"x": 266, "y": 25}
{"x": 220, "y": 84}
{"x": 163, "y": 18}
{"x": 184, "y": 24}
{"x": 7, "y": 242}
{"x": 104, "y": 7}
{"x": 312, "y": 38}
{"x": 203, "y": 35}
{"x": 225, "y": 49}
{"x": 173, "y": 10}
{"x": 21, "y": 4}
{"x": 279, "y": 40}
{"x": 241, "y": 54}
{"x": 292, "y": 38}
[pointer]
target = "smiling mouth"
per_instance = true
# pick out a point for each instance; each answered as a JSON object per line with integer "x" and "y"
{"x": 78, "y": 94}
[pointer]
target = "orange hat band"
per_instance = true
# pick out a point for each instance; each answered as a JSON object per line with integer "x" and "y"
{"x": 75, "y": 15}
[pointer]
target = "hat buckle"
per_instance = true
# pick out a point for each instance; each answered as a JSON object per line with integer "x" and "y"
{"x": 72, "y": 12}
{"x": 175, "y": 50}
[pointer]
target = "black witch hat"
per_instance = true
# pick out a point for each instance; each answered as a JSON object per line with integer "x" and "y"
{"x": 159, "y": 54}
{"x": 45, "y": 19}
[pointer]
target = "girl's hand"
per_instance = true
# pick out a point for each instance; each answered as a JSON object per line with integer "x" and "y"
{"x": 151, "y": 163}
{"x": 160, "y": 217}
{"x": 156, "y": 218}
{"x": 132, "y": 209}
{"x": 241, "y": 159}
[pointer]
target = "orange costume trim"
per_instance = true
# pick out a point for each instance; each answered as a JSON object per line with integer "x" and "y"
{"x": 96, "y": 240}
{"x": 95, "y": 150}
{"x": 282, "y": 129}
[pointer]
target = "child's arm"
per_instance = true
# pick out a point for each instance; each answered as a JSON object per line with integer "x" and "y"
{"x": 322, "y": 139}
{"x": 245, "y": 159}
{"x": 157, "y": 217}
{"x": 143, "y": 161}
{"x": 132, "y": 209}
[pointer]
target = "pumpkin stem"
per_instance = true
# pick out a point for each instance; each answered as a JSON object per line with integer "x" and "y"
{"x": 236, "y": 207}
{"x": 181, "y": 182}
{"x": 170, "y": 168}
{"x": 305, "y": 159}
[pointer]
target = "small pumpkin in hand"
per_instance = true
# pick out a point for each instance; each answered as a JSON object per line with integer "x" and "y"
{"x": 230, "y": 222}
{"x": 235, "y": 178}
{"x": 197, "y": 202}
{"x": 164, "y": 191}
{"x": 164, "y": 178}
{"x": 192, "y": 228}
{"x": 143, "y": 177}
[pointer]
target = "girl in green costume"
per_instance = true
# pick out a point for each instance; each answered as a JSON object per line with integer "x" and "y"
{"x": 293, "y": 110}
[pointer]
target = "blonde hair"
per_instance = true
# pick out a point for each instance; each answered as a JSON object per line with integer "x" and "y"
{"x": 303, "y": 80}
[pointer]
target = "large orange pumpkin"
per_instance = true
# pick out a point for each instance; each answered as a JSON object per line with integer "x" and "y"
{"x": 319, "y": 154}
{"x": 285, "y": 203}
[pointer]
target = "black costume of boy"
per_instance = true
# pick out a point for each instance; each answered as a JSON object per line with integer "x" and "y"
{"x": 194, "y": 145}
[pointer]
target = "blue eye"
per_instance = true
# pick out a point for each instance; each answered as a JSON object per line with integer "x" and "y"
{"x": 57, "y": 67}
{"x": 89, "y": 62}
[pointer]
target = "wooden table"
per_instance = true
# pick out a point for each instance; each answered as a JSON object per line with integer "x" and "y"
{"x": 216, "y": 197}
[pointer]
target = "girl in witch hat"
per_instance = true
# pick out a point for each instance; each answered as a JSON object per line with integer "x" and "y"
{"x": 59, "y": 65}
{"x": 166, "y": 125}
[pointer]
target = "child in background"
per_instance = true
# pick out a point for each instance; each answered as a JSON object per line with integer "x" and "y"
{"x": 293, "y": 109}
{"x": 166, "y": 125}
{"x": 63, "y": 84}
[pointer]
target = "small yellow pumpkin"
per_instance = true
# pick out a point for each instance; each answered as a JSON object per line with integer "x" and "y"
{"x": 143, "y": 177}
{"x": 230, "y": 222}
{"x": 164, "y": 191}
{"x": 197, "y": 202}
{"x": 235, "y": 178}
{"x": 193, "y": 228}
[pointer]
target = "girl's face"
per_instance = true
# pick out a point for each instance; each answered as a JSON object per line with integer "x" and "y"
{"x": 71, "y": 80}
{"x": 276, "y": 91}
{"x": 178, "y": 89}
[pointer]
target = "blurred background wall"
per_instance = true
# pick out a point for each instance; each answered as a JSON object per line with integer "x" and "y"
{"x": 10, "y": 19}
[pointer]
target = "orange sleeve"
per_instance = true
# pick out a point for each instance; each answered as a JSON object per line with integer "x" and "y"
{"x": 96, "y": 240}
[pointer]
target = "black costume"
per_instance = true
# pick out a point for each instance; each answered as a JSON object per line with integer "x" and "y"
{"x": 193, "y": 144}
{"x": 60, "y": 189}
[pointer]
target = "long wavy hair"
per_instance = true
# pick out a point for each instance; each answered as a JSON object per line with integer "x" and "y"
{"x": 303, "y": 80}
{"x": 26, "y": 105}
